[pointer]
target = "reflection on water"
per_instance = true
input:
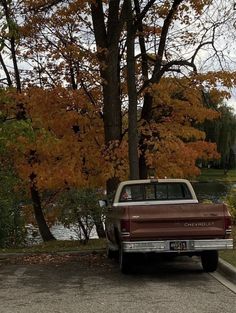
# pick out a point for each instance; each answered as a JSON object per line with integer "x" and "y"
{"x": 214, "y": 191}
{"x": 59, "y": 232}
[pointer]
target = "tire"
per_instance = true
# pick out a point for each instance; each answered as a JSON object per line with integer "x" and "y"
{"x": 112, "y": 254}
{"x": 125, "y": 262}
{"x": 209, "y": 261}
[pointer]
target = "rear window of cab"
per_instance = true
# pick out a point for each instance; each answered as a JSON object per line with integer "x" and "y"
{"x": 155, "y": 192}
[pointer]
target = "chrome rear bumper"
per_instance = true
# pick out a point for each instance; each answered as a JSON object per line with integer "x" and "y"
{"x": 181, "y": 246}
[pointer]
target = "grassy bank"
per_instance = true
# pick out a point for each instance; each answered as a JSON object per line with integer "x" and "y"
{"x": 230, "y": 255}
{"x": 60, "y": 246}
{"x": 208, "y": 175}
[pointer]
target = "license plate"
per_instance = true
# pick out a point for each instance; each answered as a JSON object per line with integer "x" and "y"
{"x": 178, "y": 245}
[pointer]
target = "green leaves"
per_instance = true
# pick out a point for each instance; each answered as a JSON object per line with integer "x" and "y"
{"x": 223, "y": 132}
{"x": 16, "y": 133}
{"x": 231, "y": 201}
{"x": 12, "y": 231}
{"x": 80, "y": 210}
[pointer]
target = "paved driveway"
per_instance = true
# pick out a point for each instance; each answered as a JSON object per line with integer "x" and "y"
{"x": 93, "y": 284}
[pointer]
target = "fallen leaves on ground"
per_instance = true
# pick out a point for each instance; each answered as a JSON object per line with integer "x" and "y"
{"x": 89, "y": 260}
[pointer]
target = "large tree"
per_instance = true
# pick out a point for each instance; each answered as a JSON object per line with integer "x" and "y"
{"x": 119, "y": 51}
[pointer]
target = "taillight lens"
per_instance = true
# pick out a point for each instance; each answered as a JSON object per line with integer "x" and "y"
{"x": 125, "y": 229}
{"x": 125, "y": 225}
{"x": 228, "y": 225}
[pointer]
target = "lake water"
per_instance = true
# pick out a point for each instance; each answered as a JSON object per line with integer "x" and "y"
{"x": 214, "y": 191}
{"x": 59, "y": 232}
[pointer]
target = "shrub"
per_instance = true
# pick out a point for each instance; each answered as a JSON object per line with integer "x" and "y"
{"x": 231, "y": 201}
{"x": 12, "y": 230}
{"x": 81, "y": 212}
{"x": 12, "y": 226}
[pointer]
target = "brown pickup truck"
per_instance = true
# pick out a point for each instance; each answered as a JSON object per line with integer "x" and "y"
{"x": 164, "y": 216}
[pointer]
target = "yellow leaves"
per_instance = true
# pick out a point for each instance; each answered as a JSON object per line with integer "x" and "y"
{"x": 163, "y": 10}
{"x": 116, "y": 157}
{"x": 151, "y": 30}
{"x": 184, "y": 132}
{"x": 22, "y": 140}
{"x": 199, "y": 5}
{"x": 173, "y": 142}
{"x": 63, "y": 145}
{"x": 181, "y": 101}
{"x": 205, "y": 150}
{"x": 222, "y": 78}
{"x": 174, "y": 158}
{"x": 27, "y": 211}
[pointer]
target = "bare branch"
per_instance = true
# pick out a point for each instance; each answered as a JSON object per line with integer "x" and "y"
{"x": 49, "y": 4}
{"x": 8, "y": 77}
{"x": 163, "y": 38}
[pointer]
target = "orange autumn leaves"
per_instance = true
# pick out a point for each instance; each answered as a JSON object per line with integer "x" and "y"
{"x": 174, "y": 143}
{"x": 63, "y": 144}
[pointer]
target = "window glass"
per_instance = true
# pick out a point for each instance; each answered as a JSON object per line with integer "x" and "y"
{"x": 137, "y": 192}
{"x": 187, "y": 194}
{"x": 161, "y": 191}
{"x": 175, "y": 191}
{"x": 132, "y": 193}
{"x": 126, "y": 194}
{"x": 150, "y": 192}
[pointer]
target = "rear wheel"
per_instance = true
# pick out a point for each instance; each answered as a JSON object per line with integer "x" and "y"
{"x": 125, "y": 262}
{"x": 209, "y": 261}
{"x": 112, "y": 254}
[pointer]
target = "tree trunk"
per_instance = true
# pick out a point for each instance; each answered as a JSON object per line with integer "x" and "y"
{"x": 12, "y": 38}
{"x": 84, "y": 231}
{"x": 100, "y": 229}
{"x": 15, "y": 65}
{"x": 146, "y": 116}
{"x": 39, "y": 216}
{"x": 132, "y": 94}
{"x": 107, "y": 41}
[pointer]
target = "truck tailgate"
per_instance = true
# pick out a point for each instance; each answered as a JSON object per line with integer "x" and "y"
{"x": 154, "y": 222}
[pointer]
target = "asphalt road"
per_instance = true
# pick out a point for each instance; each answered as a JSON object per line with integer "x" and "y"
{"x": 93, "y": 284}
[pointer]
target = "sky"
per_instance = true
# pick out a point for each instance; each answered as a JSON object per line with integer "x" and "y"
{"x": 224, "y": 42}
{"x": 232, "y": 102}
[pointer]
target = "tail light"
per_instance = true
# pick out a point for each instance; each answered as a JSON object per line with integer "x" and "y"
{"x": 228, "y": 225}
{"x": 125, "y": 229}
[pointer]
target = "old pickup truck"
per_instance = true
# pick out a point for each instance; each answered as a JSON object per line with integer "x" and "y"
{"x": 164, "y": 216}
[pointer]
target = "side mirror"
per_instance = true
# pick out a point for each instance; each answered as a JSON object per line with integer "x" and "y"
{"x": 102, "y": 203}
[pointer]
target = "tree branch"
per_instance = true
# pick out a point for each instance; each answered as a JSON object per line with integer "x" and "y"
{"x": 141, "y": 41}
{"x": 163, "y": 39}
{"x": 142, "y": 14}
{"x": 37, "y": 7}
{"x": 8, "y": 77}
